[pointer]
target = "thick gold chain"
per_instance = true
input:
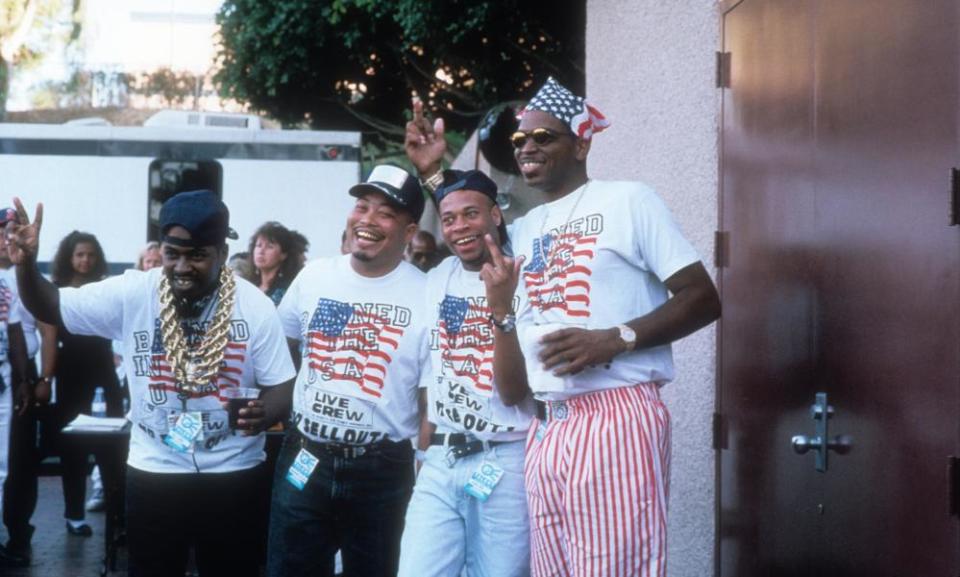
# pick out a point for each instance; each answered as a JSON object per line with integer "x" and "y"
{"x": 204, "y": 361}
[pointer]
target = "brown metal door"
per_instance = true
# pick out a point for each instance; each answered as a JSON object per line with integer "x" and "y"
{"x": 839, "y": 133}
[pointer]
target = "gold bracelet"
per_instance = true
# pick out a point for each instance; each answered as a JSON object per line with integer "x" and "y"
{"x": 434, "y": 182}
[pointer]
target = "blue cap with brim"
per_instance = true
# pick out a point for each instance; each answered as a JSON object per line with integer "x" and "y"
{"x": 202, "y": 214}
{"x": 454, "y": 180}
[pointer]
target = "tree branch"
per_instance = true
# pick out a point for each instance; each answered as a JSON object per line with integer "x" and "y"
{"x": 11, "y": 45}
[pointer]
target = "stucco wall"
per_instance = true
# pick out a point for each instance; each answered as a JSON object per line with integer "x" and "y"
{"x": 650, "y": 69}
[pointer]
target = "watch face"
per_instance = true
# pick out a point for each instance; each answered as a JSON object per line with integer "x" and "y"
{"x": 628, "y": 336}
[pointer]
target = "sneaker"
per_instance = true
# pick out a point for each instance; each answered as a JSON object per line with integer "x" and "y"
{"x": 95, "y": 503}
{"x": 11, "y": 558}
{"x": 82, "y": 530}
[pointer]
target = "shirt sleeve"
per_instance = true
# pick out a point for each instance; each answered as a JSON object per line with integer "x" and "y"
{"x": 661, "y": 246}
{"x": 288, "y": 311}
{"x": 271, "y": 356}
{"x": 97, "y": 308}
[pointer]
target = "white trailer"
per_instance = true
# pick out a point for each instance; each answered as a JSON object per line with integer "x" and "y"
{"x": 111, "y": 181}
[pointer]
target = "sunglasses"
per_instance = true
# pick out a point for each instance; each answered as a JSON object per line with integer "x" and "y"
{"x": 540, "y": 137}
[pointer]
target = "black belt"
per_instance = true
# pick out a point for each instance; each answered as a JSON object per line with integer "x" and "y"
{"x": 541, "y": 409}
{"x": 462, "y": 445}
{"x": 345, "y": 451}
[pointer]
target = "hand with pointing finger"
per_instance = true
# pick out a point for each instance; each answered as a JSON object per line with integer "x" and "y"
{"x": 23, "y": 237}
{"x": 424, "y": 142}
{"x": 500, "y": 275}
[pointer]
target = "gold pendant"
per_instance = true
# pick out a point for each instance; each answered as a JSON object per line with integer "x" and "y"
{"x": 194, "y": 370}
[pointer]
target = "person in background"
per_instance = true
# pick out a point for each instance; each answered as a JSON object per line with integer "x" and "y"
{"x": 422, "y": 251}
{"x": 83, "y": 363}
{"x": 277, "y": 258}
{"x": 149, "y": 256}
{"x": 19, "y": 489}
{"x": 241, "y": 266}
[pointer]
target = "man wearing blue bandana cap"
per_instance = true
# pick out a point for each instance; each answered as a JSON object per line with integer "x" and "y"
{"x": 192, "y": 336}
{"x": 469, "y": 507}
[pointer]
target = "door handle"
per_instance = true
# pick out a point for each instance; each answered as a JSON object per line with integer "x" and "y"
{"x": 821, "y": 442}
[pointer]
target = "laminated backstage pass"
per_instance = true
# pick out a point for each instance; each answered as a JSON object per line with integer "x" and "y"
{"x": 541, "y": 431}
{"x": 483, "y": 481}
{"x": 301, "y": 469}
{"x": 185, "y": 430}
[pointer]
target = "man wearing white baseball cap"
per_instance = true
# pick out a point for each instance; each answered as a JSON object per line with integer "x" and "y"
{"x": 345, "y": 473}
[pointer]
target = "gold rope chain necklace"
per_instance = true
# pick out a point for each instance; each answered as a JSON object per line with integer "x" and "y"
{"x": 204, "y": 361}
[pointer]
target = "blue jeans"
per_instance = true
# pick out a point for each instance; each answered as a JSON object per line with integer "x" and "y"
{"x": 448, "y": 529}
{"x": 355, "y": 505}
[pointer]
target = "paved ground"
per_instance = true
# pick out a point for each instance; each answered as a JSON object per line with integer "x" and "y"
{"x": 55, "y": 553}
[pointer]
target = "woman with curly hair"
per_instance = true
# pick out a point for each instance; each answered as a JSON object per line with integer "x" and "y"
{"x": 83, "y": 364}
{"x": 278, "y": 255}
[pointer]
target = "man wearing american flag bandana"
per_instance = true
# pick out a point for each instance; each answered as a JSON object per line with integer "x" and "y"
{"x": 608, "y": 283}
{"x": 345, "y": 473}
{"x": 469, "y": 507}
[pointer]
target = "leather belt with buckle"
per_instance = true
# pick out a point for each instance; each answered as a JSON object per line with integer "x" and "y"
{"x": 460, "y": 445}
{"x": 346, "y": 451}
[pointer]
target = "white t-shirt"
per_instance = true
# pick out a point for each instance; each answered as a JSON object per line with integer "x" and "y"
{"x": 596, "y": 258}
{"x": 362, "y": 341}
{"x": 126, "y": 308}
{"x": 462, "y": 396}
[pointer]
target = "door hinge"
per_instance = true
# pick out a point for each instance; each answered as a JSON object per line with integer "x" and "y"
{"x": 721, "y": 249}
{"x": 723, "y": 70}
{"x": 719, "y": 433}
{"x": 954, "y": 197}
{"x": 953, "y": 486}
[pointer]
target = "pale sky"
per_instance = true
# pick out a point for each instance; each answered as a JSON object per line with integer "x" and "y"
{"x": 132, "y": 36}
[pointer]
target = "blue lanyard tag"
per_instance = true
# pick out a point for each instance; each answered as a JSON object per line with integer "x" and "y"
{"x": 184, "y": 431}
{"x": 483, "y": 481}
{"x": 301, "y": 469}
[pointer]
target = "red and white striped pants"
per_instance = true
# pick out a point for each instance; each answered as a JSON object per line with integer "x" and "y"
{"x": 597, "y": 475}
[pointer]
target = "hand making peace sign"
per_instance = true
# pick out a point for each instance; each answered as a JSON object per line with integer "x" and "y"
{"x": 423, "y": 142}
{"x": 23, "y": 237}
{"x": 500, "y": 276}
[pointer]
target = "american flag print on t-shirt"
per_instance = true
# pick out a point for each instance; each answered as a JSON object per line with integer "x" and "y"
{"x": 345, "y": 343}
{"x": 563, "y": 283}
{"x": 229, "y": 375}
{"x": 466, "y": 343}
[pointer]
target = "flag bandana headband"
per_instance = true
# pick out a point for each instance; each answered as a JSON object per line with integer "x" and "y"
{"x": 584, "y": 120}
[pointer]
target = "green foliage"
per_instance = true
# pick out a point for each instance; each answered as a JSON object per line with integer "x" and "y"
{"x": 353, "y": 64}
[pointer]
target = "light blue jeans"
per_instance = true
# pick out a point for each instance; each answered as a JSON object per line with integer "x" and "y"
{"x": 447, "y": 529}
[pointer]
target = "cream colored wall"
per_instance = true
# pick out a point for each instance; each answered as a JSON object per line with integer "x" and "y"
{"x": 650, "y": 69}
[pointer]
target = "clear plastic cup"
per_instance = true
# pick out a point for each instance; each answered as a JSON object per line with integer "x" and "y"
{"x": 237, "y": 398}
